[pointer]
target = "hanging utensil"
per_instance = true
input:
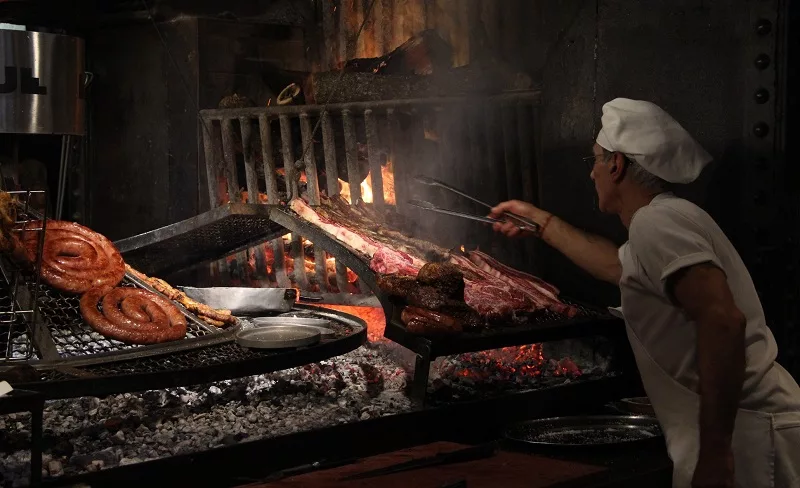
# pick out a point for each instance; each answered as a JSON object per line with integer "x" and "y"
{"x": 427, "y": 180}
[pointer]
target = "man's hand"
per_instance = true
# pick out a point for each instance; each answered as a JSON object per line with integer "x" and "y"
{"x": 714, "y": 471}
{"x": 593, "y": 254}
{"x": 511, "y": 228}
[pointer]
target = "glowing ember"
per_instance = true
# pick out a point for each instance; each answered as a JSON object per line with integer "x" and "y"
{"x": 374, "y": 317}
{"x": 387, "y": 173}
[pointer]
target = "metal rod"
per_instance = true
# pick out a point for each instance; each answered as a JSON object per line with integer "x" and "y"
{"x": 292, "y": 187}
{"x": 526, "y": 168}
{"x": 533, "y": 96}
{"x": 230, "y": 159}
{"x": 249, "y": 160}
{"x": 353, "y": 176}
{"x": 211, "y": 167}
{"x": 393, "y": 132}
{"x": 268, "y": 159}
{"x": 312, "y": 183}
{"x": 62, "y": 175}
{"x": 329, "y": 148}
{"x": 373, "y": 143}
{"x": 341, "y": 277}
{"x": 299, "y": 260}
{"x": 320, "y": 268}
{"x": 278, "y": 264}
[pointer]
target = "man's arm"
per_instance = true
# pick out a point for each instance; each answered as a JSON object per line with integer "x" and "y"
{"x": 702, "y": 292}
{"x": 592, "y": 253}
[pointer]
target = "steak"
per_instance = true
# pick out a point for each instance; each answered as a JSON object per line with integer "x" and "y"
{"x": 490, "y": 288}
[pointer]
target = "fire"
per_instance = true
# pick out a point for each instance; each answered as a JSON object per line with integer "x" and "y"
{"x": 374, "y": 317}
{"x": 387, "y": 175}
{"x": 508, "y": 363}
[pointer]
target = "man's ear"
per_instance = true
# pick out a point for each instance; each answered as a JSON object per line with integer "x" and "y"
{"x": 618, "y": 167}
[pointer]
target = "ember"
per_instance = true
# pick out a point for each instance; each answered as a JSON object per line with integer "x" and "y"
{"x": 374, "y": 317}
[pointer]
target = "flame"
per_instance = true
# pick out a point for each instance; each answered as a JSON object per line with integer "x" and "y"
{"x": 374, "y": 317}
{"x": 387, "y": 175}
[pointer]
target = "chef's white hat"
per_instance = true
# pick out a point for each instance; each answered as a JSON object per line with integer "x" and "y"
{"x": 651, "y": 137}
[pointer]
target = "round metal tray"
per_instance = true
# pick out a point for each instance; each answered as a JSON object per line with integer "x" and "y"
{"x": 585, "y": 431}
{"x": 316, "y": 323}
{"x": 278, "y": 337}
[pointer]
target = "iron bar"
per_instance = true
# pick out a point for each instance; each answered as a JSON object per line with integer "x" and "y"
{"x": 351, "y": 151}
{"x": 249, "y": 161}
{"x": 375, "y": 166}
{"x": 312, "y": 184}
{"x": 211, "y": 168}
{"x": 299, "y": 260}
{"x": 329, "y": 148}
{"x": 320, "y": 268}
{"x": 533, "y": 96}
{"x": 392, "y": 132}
{"x": 278, "y": 265}
{"x": 268, "y": 159}
{"x": 290, "y": 177}
{"x": 230, "y": 158}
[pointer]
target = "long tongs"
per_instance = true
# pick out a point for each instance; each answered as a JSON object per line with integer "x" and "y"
{"x": 525, "y": 224}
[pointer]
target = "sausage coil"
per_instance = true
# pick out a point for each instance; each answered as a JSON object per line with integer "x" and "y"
{"x": 132, "y": 315}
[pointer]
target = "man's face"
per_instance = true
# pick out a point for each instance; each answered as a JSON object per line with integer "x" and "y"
{"x": 603, "y": 184}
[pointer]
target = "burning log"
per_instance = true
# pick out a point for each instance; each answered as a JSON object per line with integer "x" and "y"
{"x": 422, "y": 54}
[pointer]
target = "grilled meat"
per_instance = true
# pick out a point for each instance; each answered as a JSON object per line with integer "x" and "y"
{"x": 396, "y": 285}
{"x": 445, "y": 277}
{"x": 427, "y": 297}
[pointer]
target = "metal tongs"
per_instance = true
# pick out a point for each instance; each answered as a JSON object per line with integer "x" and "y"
{"x": 523, "y": 223}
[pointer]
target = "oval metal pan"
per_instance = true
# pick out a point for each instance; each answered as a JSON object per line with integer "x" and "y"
{"x": 322, "y": 325}
{"x": 278, "y": 337}
{"x": 585, "y": 431}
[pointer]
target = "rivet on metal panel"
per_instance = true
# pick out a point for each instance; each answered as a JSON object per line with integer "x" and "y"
{"x": 761, "y": 95}
{"x": 761, "y": 129}
{"x": 762, "y": 61}
{"x": 763, "y": 27}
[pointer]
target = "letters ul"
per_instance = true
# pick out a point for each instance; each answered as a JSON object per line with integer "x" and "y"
{"x": 22, "y": 78}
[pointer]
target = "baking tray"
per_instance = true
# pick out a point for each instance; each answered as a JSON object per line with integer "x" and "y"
{"x": 594, "y": 431}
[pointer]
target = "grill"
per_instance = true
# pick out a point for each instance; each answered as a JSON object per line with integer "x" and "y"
{"x": 251, "y": 156}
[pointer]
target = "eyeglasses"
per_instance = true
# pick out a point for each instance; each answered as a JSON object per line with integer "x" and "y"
{"x": 589, "y": 161}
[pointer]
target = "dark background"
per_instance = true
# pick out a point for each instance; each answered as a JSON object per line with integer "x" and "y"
{"x": 694, "y": 58}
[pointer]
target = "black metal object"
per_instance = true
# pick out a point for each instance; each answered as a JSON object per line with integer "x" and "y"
{"x": 208, "y": 236}
{"x": 28, "y": 401}
{"x": 85, "y": 377}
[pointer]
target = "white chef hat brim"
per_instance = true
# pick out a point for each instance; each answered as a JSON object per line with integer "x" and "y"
{"x": 651, "y": 137}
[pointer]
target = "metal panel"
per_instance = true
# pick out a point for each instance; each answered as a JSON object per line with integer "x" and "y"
{"x": 270, "y": 175}
{"x": 352, "y": 156}
{"x": 249, "y": 160}
{"x": 230, "y": 159}
{"x": 288, "y": 157}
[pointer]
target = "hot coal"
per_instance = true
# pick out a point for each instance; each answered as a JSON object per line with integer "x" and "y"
{"x": 89, "y": 434}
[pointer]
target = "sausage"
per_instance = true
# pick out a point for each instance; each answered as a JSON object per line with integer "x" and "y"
{"x": 428, "y": 322}
{"x": 74, "y": 258}
{"x": 132, "y": 315}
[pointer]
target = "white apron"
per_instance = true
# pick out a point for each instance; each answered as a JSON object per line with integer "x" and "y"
{"x": 766, "y": 447}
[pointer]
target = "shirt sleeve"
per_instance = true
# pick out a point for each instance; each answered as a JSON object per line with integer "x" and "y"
{"x": 665, "y": 241}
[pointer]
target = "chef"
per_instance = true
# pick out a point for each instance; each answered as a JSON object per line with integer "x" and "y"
{"x": 729, "y": 412}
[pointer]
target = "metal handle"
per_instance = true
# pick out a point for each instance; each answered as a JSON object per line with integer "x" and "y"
{"x": 433, "y": 208}
{"x": 427, "y": 180}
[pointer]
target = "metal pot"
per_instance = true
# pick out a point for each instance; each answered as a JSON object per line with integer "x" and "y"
{"x": 44, "y": 83}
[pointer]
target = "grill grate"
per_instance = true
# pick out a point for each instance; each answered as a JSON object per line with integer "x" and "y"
{"x": 15, "y": 342}
{"x": 73, "y": 337}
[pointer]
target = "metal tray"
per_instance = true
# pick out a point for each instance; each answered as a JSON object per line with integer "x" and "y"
{"x": 278, "y": 337}
{"x": 322, "y": 325}
{"x": 585, "y": 431}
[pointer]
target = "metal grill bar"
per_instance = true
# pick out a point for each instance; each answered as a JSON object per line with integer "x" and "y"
{"x": 211, "y": 167}
{"x": 298, "y": 258}
{"x": 278, "y": 248}
{"x": 230, "y": 159}
{"x": 288, "y": 157}
{"x": 374, "y": 160}
{"x": 329, "y": 147}
{"x": 270, "y": 175}
{"x": 249, "y": 162}
{"x": 351, "y": 153}
{"x": 312, "y": 186}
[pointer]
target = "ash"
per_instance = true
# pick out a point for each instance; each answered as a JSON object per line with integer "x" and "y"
{"x": 89, "y": 434}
